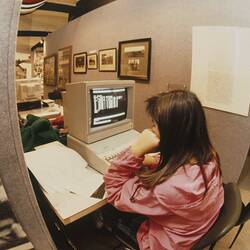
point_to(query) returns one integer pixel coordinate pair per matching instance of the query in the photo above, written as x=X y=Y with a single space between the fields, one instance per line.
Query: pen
x=71 y=192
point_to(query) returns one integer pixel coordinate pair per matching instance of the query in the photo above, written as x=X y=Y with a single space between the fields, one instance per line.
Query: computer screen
x=108 y=105
x=95 y=110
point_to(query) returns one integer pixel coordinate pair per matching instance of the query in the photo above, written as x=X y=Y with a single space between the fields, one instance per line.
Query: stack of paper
x=65 y=177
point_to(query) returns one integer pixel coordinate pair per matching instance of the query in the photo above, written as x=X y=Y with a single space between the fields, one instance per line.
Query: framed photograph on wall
x=134 y=59
x=64 y=67
x=92 y=61
x=50 y=70
x=80 y=63
x=107 y=60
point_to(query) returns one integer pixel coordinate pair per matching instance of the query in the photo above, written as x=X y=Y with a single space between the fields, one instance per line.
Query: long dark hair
x=183 y=134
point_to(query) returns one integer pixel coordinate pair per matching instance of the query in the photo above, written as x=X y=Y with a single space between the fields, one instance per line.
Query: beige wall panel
x=169 y=24
x=13 y=171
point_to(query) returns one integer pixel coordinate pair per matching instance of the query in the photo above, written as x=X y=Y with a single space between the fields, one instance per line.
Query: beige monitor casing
x=77 y=109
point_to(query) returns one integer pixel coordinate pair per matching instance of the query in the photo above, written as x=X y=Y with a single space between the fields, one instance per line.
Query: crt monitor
x=108 y=105
x=95 y=110
x=29 y=89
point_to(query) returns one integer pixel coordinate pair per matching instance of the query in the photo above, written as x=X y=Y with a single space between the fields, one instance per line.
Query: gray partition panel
x=13 y=170
x=230 y=134
x=169 y=24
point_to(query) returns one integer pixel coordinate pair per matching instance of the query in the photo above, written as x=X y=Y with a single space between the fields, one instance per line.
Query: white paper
x=65 y=177
x=67 y=205
x=221 y=68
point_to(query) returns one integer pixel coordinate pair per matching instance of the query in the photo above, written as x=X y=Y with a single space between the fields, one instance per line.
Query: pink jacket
x=179 y=210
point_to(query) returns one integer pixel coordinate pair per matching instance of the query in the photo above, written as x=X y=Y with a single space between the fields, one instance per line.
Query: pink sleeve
x=124 y=189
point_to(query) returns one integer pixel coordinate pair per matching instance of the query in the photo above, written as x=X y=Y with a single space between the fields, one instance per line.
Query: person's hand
x=151 y=159
x=147 y=142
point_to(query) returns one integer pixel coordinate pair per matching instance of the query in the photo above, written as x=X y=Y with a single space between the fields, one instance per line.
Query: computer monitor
x=95 y=110
x=29 y=89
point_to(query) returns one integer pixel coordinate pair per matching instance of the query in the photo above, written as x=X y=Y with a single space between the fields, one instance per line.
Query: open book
x=66 y=180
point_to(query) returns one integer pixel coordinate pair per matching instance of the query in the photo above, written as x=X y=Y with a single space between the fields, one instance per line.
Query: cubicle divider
x=171 y=61
x=230 y=134
x=13 y=171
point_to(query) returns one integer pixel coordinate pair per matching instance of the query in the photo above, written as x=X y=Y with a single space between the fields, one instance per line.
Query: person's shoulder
x=186 y=185
x=211 y=168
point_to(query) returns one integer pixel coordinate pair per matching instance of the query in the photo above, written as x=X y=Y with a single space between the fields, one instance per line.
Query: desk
x=48 y=112
x=66 y=181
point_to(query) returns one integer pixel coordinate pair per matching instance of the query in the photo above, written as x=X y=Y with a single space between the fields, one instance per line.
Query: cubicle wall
x=13 y=171
x=169 y=24
x=231 y=136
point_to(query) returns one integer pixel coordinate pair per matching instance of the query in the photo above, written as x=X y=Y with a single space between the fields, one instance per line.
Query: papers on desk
x=66 y=179
x=49 y=112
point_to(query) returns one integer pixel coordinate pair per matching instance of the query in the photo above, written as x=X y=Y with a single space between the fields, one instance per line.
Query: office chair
x=245 y=215
x=124 y=244
x=228 y=218
x=126 y=238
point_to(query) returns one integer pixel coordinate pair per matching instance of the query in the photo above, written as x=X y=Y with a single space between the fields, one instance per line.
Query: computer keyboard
x=111 y=155
x=100 y=154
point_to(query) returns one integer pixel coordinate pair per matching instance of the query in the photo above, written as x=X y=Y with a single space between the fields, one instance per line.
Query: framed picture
x=38 y=60
x=80 y=63
x=49 y=70
x=107 y=59
x=64 y=66
x=134 y=59
x=92 y=61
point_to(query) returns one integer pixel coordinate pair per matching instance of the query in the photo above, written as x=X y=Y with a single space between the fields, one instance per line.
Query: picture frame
x=64 y=67
x=92 y=61
x=38 y=60
x=107 y=60
x=134 y=59
x=50 y=70
x=80 y=63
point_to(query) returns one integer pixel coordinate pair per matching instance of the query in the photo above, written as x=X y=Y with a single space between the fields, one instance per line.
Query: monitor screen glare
x=108 y=105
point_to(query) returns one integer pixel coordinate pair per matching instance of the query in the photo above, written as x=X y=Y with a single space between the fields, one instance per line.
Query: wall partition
x=169 y=24
x=13 y=171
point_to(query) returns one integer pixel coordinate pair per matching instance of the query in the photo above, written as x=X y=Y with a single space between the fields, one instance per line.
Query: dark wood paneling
x=33 y=33
x=57 y=7
x=84 y=6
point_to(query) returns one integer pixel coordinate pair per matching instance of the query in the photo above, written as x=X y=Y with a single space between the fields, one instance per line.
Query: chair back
x=228 y=217
x=245 y=214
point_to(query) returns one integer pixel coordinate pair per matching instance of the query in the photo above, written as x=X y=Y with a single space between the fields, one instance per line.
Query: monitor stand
x=100 y=154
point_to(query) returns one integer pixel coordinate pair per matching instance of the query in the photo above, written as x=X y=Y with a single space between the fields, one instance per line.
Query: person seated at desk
x=182 y=194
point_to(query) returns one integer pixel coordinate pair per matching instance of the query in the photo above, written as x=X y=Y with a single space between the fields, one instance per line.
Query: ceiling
x=41 y=20
x=49 y=17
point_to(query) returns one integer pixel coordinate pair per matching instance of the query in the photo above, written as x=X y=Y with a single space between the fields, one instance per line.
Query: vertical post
x=13 y=170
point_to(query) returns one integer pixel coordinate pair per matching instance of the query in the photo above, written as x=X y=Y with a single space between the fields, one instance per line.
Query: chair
x=245 y=215
x=125 y=235
x=125 y=241
x=229 y=217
